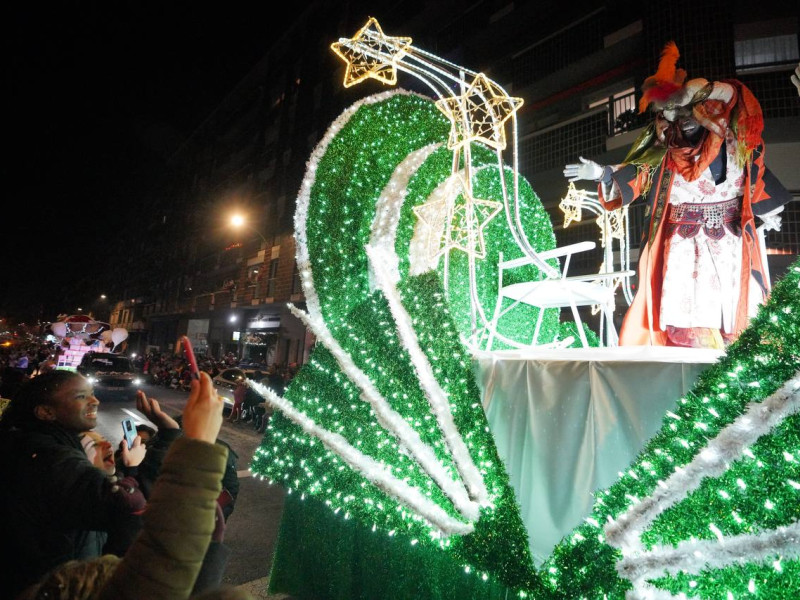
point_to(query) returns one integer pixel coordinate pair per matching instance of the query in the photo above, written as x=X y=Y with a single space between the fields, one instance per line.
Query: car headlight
x=137 y=382
x=92 y=379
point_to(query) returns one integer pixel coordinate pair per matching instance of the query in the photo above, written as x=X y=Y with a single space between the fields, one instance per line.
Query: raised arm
x=165 y=559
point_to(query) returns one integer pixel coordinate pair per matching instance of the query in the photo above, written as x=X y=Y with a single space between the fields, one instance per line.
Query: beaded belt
x=714 y=218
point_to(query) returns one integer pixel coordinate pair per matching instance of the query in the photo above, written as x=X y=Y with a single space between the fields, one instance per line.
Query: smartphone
x=187 y=348
x=129 y=430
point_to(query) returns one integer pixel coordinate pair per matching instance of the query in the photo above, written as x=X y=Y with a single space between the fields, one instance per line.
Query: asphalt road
x=252 y=529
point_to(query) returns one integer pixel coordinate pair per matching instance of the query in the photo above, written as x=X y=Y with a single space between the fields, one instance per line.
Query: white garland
x=316 y=323
x=367 y=466
x=437 y=398
x=391 y=420
x=387 y=209
x=758 y=419
x=694 y=556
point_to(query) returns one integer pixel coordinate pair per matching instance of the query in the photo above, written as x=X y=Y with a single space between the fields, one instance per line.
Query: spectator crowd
x=87 y=522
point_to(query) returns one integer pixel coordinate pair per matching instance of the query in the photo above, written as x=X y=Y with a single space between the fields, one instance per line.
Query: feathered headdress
x=666 y=81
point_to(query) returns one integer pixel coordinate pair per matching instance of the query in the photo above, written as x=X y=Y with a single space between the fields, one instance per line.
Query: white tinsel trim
x=391 y=420
x=694 y=556
x=304 y=195
x=423 y=250
x=390 y=203
x=367 y=466
x=432 y=467
x=757 y=420
x=437 y=398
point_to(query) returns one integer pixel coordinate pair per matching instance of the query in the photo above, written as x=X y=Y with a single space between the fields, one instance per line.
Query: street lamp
x=238 y=221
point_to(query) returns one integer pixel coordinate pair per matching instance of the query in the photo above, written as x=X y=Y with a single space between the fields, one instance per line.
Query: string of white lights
x=437 y=397
x=391 y=420
x=758 y=419
x=694 y=556
x=367 y=466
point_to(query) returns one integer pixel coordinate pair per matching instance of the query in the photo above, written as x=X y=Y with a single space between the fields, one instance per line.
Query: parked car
x=112 y=375
x=225 y=382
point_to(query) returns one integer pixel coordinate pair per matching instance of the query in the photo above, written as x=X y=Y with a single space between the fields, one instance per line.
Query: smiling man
x=51 y=496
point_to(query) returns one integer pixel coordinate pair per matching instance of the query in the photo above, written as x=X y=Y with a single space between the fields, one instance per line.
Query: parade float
x=398 y=483
x=79 y=334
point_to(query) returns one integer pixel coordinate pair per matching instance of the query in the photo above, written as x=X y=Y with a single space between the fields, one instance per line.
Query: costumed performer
x=700 y=167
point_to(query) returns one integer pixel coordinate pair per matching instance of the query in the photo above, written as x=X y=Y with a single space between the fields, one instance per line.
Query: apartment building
x=578 y=68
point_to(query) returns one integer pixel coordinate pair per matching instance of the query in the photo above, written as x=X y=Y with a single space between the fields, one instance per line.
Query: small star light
x=479 y=114
x=467 y=220
x=616 y=229
x=571 y=205
x=370 y=53
x=433 y=215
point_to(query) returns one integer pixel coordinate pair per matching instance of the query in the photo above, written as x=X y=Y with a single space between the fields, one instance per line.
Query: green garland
x=348 y=179
x=755 y=494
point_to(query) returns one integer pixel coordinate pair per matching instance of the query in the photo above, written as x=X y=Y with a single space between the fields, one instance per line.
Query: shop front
x=260 y=339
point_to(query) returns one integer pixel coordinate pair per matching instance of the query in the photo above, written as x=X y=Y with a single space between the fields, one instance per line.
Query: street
x=252 y=529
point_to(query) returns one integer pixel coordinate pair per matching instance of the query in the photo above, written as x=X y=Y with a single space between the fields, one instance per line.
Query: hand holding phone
x=129 y=431
x=187 y=348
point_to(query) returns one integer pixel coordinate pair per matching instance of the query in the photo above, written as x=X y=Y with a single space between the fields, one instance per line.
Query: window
x=766 y=45
x=766 y=52
x=297 y=284
x=622 y=111
x=252 y=275
x=272 y=277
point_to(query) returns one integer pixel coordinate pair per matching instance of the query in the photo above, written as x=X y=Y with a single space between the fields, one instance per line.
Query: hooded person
x=699 y=166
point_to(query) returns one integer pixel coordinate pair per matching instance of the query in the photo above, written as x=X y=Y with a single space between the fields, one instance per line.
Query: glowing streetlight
x=102 y=296
x=238 y=221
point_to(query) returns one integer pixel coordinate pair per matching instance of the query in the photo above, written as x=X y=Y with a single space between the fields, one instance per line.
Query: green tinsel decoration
x=352 y=173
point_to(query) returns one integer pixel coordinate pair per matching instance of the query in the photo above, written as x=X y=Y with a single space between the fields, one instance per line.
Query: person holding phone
x=165 y=559
x=100 y=453
x=51 y=496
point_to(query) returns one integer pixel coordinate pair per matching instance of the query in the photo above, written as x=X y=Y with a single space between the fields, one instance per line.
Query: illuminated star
x=479 y=114
x=571 y=205
x=370 y=53
x=460 y=218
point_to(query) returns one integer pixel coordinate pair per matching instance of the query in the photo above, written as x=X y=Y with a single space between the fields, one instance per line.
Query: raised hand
x=771 y=222
x=133 y=456
x=587 y=169
x=202 y=415
x=151 y=409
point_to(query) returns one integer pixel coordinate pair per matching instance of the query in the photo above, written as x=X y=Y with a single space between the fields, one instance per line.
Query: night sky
x=100 y=95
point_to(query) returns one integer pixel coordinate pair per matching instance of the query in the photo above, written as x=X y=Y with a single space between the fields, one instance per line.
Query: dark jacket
x=164 y=563
x=51 y=498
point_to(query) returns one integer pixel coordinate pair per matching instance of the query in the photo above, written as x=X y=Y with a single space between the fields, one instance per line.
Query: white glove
x=771 y=221
x=796 y=78
x=588 y=170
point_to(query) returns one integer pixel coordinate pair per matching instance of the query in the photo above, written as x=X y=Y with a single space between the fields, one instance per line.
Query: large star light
x=461 y=218
x=479 y=115
x=370 y=53
x=571 y=205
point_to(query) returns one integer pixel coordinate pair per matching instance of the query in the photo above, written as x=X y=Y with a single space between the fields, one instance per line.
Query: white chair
x=558 y=292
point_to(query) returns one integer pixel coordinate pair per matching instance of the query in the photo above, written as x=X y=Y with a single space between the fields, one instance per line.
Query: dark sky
x=99 y=94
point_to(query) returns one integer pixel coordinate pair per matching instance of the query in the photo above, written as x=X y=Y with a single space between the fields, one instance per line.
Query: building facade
x=578 y=68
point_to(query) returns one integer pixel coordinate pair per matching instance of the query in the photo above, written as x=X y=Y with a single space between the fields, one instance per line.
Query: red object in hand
x=187 y=348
